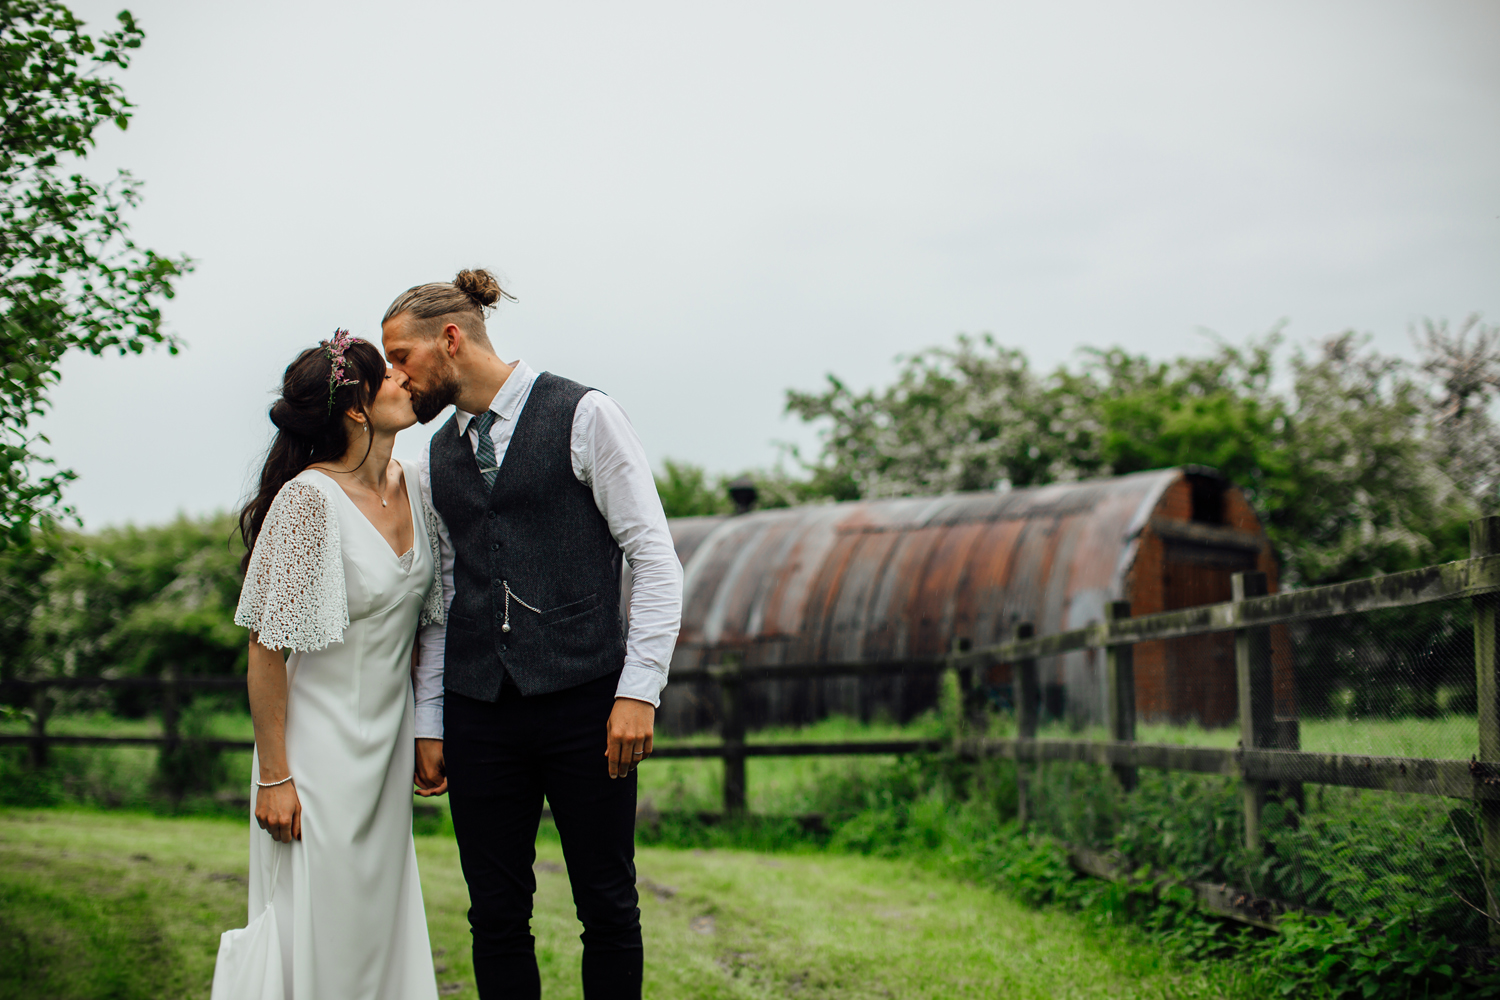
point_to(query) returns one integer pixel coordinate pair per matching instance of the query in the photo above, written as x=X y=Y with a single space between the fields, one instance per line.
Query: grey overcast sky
x=702 y=204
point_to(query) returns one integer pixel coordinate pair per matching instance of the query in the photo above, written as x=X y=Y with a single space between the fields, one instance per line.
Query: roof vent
x=744 y=494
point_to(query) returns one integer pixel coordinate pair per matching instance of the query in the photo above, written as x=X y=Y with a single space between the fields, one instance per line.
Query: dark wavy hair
x=308 y=428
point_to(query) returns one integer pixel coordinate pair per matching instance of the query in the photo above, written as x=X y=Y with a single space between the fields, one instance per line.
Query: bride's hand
x=278 y=810
x=431 y=777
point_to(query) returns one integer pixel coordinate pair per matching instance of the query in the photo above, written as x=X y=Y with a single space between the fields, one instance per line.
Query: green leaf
x=71 y=279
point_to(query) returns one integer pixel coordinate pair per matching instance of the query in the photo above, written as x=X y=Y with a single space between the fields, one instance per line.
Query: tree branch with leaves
x=71 y=278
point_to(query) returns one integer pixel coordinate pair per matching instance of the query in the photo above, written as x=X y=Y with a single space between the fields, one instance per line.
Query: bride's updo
x=309 y=420
x=470 y=293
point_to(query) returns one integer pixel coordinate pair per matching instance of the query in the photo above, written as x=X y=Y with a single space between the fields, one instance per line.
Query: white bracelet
x=273 y=784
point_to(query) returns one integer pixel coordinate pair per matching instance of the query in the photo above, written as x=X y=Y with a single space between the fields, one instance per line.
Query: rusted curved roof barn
x=886 y=581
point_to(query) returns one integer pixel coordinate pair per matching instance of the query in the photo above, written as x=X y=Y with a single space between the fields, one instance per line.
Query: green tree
x=686 y=491
x=23 y=574
x=71 y=278
x=127 y=601
x=1217 y=410
x=1357 y=462
x=1358 y=483
x=1340 y=462
x=967 y=417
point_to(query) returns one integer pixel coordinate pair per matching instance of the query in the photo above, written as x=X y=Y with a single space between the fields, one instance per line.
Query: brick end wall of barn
x=1192 y=680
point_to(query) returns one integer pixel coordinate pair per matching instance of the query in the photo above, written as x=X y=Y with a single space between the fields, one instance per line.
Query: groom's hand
x=628 y=735
x=432 y=777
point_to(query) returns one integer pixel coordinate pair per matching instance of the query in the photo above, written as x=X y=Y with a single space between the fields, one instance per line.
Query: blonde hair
x=471 y=293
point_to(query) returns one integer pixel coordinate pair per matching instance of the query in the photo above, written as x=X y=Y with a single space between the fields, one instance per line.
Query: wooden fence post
x=1252 y=671
x=1028 y=702
x=732 y=731
x=1119 y=678
x=171 y=713
x=1484 y=540
x=173 y=768
x=41 y=707
x=971 y=707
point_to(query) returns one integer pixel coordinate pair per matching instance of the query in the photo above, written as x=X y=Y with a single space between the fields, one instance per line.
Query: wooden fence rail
x=1268 y=760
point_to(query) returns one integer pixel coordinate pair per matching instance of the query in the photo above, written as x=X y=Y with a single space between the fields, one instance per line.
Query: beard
x=428 y=402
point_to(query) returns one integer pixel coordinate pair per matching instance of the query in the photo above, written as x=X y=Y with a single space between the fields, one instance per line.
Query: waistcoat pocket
x=568 y=612
x=583 y=633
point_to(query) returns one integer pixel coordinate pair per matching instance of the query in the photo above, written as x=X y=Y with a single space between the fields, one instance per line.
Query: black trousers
x=502 y=758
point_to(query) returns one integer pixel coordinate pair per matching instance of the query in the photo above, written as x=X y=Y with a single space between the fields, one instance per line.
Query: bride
x=339 y=570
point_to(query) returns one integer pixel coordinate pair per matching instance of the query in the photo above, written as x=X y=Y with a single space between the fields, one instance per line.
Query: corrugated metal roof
x=890 y=580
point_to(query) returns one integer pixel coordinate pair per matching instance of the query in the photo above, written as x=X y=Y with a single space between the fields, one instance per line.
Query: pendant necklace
x=377 y=493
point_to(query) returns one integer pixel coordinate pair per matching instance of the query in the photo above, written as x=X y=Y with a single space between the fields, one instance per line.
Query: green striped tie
x=484 y=451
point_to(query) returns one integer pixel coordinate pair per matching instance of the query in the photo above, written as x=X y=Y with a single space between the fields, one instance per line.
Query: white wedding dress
x=324 y=583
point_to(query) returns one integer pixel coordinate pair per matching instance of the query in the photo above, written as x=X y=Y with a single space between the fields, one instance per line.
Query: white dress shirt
x=609 y=459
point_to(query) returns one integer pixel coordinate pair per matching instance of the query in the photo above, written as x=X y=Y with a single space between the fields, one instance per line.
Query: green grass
x=126 y=776
x=778 y=786
x=218 y=725
x=115 y=906
x=1451 y=737
x=726 y=922
x=123 y=906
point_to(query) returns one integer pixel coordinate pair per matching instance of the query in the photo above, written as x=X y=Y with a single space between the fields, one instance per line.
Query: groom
x=532 y=689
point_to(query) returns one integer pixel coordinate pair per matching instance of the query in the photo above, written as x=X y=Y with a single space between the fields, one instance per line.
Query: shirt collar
x=507 y=401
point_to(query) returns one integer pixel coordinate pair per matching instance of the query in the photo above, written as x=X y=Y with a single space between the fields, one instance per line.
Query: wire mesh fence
x=1391 y=683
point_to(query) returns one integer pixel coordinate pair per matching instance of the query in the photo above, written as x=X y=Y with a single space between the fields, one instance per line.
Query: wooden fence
x=1266 y=760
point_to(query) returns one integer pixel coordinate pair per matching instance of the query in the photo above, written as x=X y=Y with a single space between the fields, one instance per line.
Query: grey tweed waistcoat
x=539 y=532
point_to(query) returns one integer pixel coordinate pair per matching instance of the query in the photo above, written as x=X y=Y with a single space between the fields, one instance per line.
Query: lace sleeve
x=294 y=595
x=432 y=606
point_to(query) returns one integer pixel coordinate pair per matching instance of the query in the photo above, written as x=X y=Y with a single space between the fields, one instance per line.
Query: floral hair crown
x=335 y=349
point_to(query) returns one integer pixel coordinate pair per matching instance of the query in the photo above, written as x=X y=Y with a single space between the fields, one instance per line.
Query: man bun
x=471 y=291
x=479 y=285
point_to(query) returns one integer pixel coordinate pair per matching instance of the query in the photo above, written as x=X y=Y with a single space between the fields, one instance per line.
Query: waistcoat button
x=495 y=547
x=489 y=514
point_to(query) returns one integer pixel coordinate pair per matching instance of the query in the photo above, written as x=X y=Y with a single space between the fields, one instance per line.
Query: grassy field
x=124 y=906
x=774 y=785
x=1451 y=737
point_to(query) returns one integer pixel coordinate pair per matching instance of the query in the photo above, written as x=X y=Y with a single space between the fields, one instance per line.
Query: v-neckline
x=411 y=515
